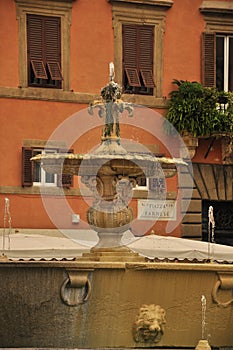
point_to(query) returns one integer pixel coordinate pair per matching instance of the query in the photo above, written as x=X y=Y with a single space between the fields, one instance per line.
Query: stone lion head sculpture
x=149 y=324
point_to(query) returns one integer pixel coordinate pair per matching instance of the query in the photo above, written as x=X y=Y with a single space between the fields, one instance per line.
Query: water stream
x=203 y=317
x=7 y=226
x=211 y=227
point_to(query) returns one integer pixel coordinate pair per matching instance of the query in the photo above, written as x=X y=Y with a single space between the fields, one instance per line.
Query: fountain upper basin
x=112 y=164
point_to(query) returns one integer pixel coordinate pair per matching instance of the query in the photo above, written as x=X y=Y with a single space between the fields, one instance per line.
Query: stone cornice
x=43 y=2
x=223 y=7
x=161 y=3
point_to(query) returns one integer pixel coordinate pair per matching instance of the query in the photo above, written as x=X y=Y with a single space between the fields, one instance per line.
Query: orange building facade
x=55 y=60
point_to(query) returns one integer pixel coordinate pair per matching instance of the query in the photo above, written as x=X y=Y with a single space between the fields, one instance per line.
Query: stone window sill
x=75 y=97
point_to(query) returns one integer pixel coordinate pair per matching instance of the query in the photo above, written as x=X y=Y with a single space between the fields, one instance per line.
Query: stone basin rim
x=140 y=266
x=130 y=156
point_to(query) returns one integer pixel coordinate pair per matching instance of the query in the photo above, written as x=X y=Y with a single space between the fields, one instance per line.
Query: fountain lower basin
x=33 y=309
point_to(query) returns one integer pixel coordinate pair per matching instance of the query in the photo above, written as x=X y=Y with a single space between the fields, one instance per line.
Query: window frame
x=29 y=146
x=218 y=21
x=61 y=9
x=154 y=14
x=41 y=67
x=135 y=73
x=42 y=171
x=142 y=188
x=226 y=58
x=150 y=187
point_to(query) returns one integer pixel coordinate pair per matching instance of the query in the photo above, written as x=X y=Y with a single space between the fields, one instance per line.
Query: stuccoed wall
x=34 y=315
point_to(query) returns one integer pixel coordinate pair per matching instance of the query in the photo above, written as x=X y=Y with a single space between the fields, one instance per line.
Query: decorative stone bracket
x=76 y=288
x=227 y=149
x=225 y=282
x=191 y=144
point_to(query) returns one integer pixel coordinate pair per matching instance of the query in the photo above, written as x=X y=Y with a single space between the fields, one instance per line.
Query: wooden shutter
x=130 y=44
x=35 y=44
x=27 y=167
x=138 y=54
x=146 y=54
x=52 y=30
x=132 y=76
x=39 y=69
x=44 y=46
x=55 y=70
x=65 y=180
x=209 y=59
x=35 y=37
x=147 y=77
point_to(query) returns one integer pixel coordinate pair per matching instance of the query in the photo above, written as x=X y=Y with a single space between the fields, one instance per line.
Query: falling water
x=203 y=316
x=211 y=227
x=6 y=225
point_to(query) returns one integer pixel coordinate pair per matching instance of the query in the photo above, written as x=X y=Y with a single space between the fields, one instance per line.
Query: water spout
x=7 y=225
x=211 y=227
x=203 y=316
x=203 y=344
x=111 y=71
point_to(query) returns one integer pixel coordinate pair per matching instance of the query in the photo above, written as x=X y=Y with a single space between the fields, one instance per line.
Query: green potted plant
x=199 y=111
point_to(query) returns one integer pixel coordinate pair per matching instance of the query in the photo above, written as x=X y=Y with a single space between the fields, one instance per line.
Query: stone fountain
x=110 y=172
x=110 y=297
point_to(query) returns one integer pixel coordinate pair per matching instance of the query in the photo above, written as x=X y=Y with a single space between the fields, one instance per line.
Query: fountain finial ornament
x=111 y=71
x=110 y=108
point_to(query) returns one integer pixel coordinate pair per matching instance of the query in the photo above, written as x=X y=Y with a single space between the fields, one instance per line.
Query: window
x=138 y=53
x=142 y=183
x=34 y=175
x=217 y=45
x=157 y=185
x=138 y=31
x=40 y=176
x=218 y=61
x=44 y=29
x=44 y=51
x=224 y=62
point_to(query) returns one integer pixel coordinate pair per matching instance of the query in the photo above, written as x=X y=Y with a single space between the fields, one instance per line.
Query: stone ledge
x=57 y=95
x=135 y=266
x=57 y=191
x=161 y=3
x=216 y=7
x=34 y=190
x=47 y=95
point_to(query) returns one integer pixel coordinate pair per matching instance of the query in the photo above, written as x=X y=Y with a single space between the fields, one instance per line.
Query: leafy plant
x=199 y=110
